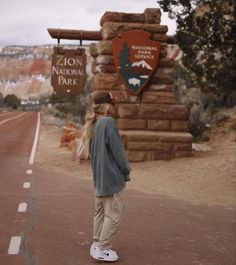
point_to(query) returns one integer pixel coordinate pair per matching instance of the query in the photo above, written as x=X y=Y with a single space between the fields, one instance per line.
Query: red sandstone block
x=93 y=67
x=161 y=80
x=149 y=146
x=154 y=28
x=104 y=47
x=163 y=75
x=128 y=110
x=103 y=68
x=164 y=155
x=152 y=15
x=106 y=81
x=93 y=50
x=123 y=96
x=158 y=125
x=132 y=124
x=182 y=147
x=177 y=137
x=135 y=156
x=154 y=151
x=132 y=17
x=179 y=154
x=165 y=62
x=150 y=136
x=159 y=97
x=110 y=17
x=180 y=126
x=159 y=87
x=161 y=37
x=165 y=112
x=104 y=59
x=163 y=50
x=164 y=71
x=122 y=17
x=111 y=30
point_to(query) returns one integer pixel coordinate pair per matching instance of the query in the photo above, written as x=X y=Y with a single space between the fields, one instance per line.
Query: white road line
x=18 y=116
x=22 y=208
x=14 y=246
x=29 y=171
x=33 y=151
x=26 y=185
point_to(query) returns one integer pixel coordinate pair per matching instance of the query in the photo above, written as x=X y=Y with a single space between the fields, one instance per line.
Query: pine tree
x=125 y=56
x=206 y=35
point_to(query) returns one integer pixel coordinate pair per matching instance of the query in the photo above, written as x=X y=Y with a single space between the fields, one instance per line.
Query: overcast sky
x=25 y=22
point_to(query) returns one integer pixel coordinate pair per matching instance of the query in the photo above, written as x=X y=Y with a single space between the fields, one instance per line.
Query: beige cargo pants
x=109 y=211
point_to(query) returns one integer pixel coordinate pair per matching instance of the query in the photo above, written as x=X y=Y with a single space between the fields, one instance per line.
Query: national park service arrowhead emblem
x=136 y=58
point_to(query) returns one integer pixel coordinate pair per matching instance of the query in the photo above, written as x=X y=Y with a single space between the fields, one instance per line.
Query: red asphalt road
x=57 y=227
x=16 y=139
x=6 y=115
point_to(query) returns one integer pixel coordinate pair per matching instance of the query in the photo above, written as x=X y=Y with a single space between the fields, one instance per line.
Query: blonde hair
x=90 y=122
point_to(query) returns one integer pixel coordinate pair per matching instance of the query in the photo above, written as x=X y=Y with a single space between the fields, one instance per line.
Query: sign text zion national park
x=68 y=70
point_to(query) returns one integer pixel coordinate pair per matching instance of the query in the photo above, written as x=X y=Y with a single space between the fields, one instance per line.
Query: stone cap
x=151 y=136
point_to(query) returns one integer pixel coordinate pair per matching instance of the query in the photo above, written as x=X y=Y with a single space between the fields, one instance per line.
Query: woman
x=101 y=140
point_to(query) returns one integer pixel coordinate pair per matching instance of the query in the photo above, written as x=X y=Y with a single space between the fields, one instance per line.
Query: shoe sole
x=103 y=259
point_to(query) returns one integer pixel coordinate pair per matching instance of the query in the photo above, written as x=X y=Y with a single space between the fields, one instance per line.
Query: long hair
x=90 y=122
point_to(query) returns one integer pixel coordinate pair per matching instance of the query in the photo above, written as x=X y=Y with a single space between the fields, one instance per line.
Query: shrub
x=71 y=106
x=12 y=101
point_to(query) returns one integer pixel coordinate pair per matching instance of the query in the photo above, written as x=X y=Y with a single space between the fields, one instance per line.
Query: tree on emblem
x=125 y=56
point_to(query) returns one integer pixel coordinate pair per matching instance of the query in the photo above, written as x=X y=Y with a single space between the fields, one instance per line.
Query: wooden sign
x=68 y=72
x=136 y=58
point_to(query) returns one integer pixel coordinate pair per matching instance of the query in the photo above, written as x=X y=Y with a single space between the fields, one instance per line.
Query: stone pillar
x=151 y=124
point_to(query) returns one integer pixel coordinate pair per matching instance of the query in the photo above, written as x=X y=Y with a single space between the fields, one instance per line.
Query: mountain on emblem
x=143 y=64
x=136 y=58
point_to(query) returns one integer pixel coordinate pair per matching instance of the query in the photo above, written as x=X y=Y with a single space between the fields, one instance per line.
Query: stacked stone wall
x=152 y=125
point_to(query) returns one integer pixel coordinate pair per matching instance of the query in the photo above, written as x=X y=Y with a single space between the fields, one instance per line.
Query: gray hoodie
x=108 y=158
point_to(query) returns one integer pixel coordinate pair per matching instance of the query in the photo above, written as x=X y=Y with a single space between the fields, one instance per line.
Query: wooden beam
x=71 y=34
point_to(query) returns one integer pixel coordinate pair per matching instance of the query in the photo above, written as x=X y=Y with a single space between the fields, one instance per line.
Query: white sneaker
x=105 y=255
x=92 y=249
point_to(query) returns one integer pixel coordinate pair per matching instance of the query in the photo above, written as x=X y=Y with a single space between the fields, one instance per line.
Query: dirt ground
x=207 y=177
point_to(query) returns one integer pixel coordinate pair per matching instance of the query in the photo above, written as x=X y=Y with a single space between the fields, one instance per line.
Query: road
x=17 y=132
x=56 y=228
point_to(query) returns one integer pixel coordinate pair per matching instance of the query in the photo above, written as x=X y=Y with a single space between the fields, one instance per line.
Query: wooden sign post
x=68 y=72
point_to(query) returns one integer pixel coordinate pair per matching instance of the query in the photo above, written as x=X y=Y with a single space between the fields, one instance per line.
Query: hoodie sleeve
x=118 y=152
